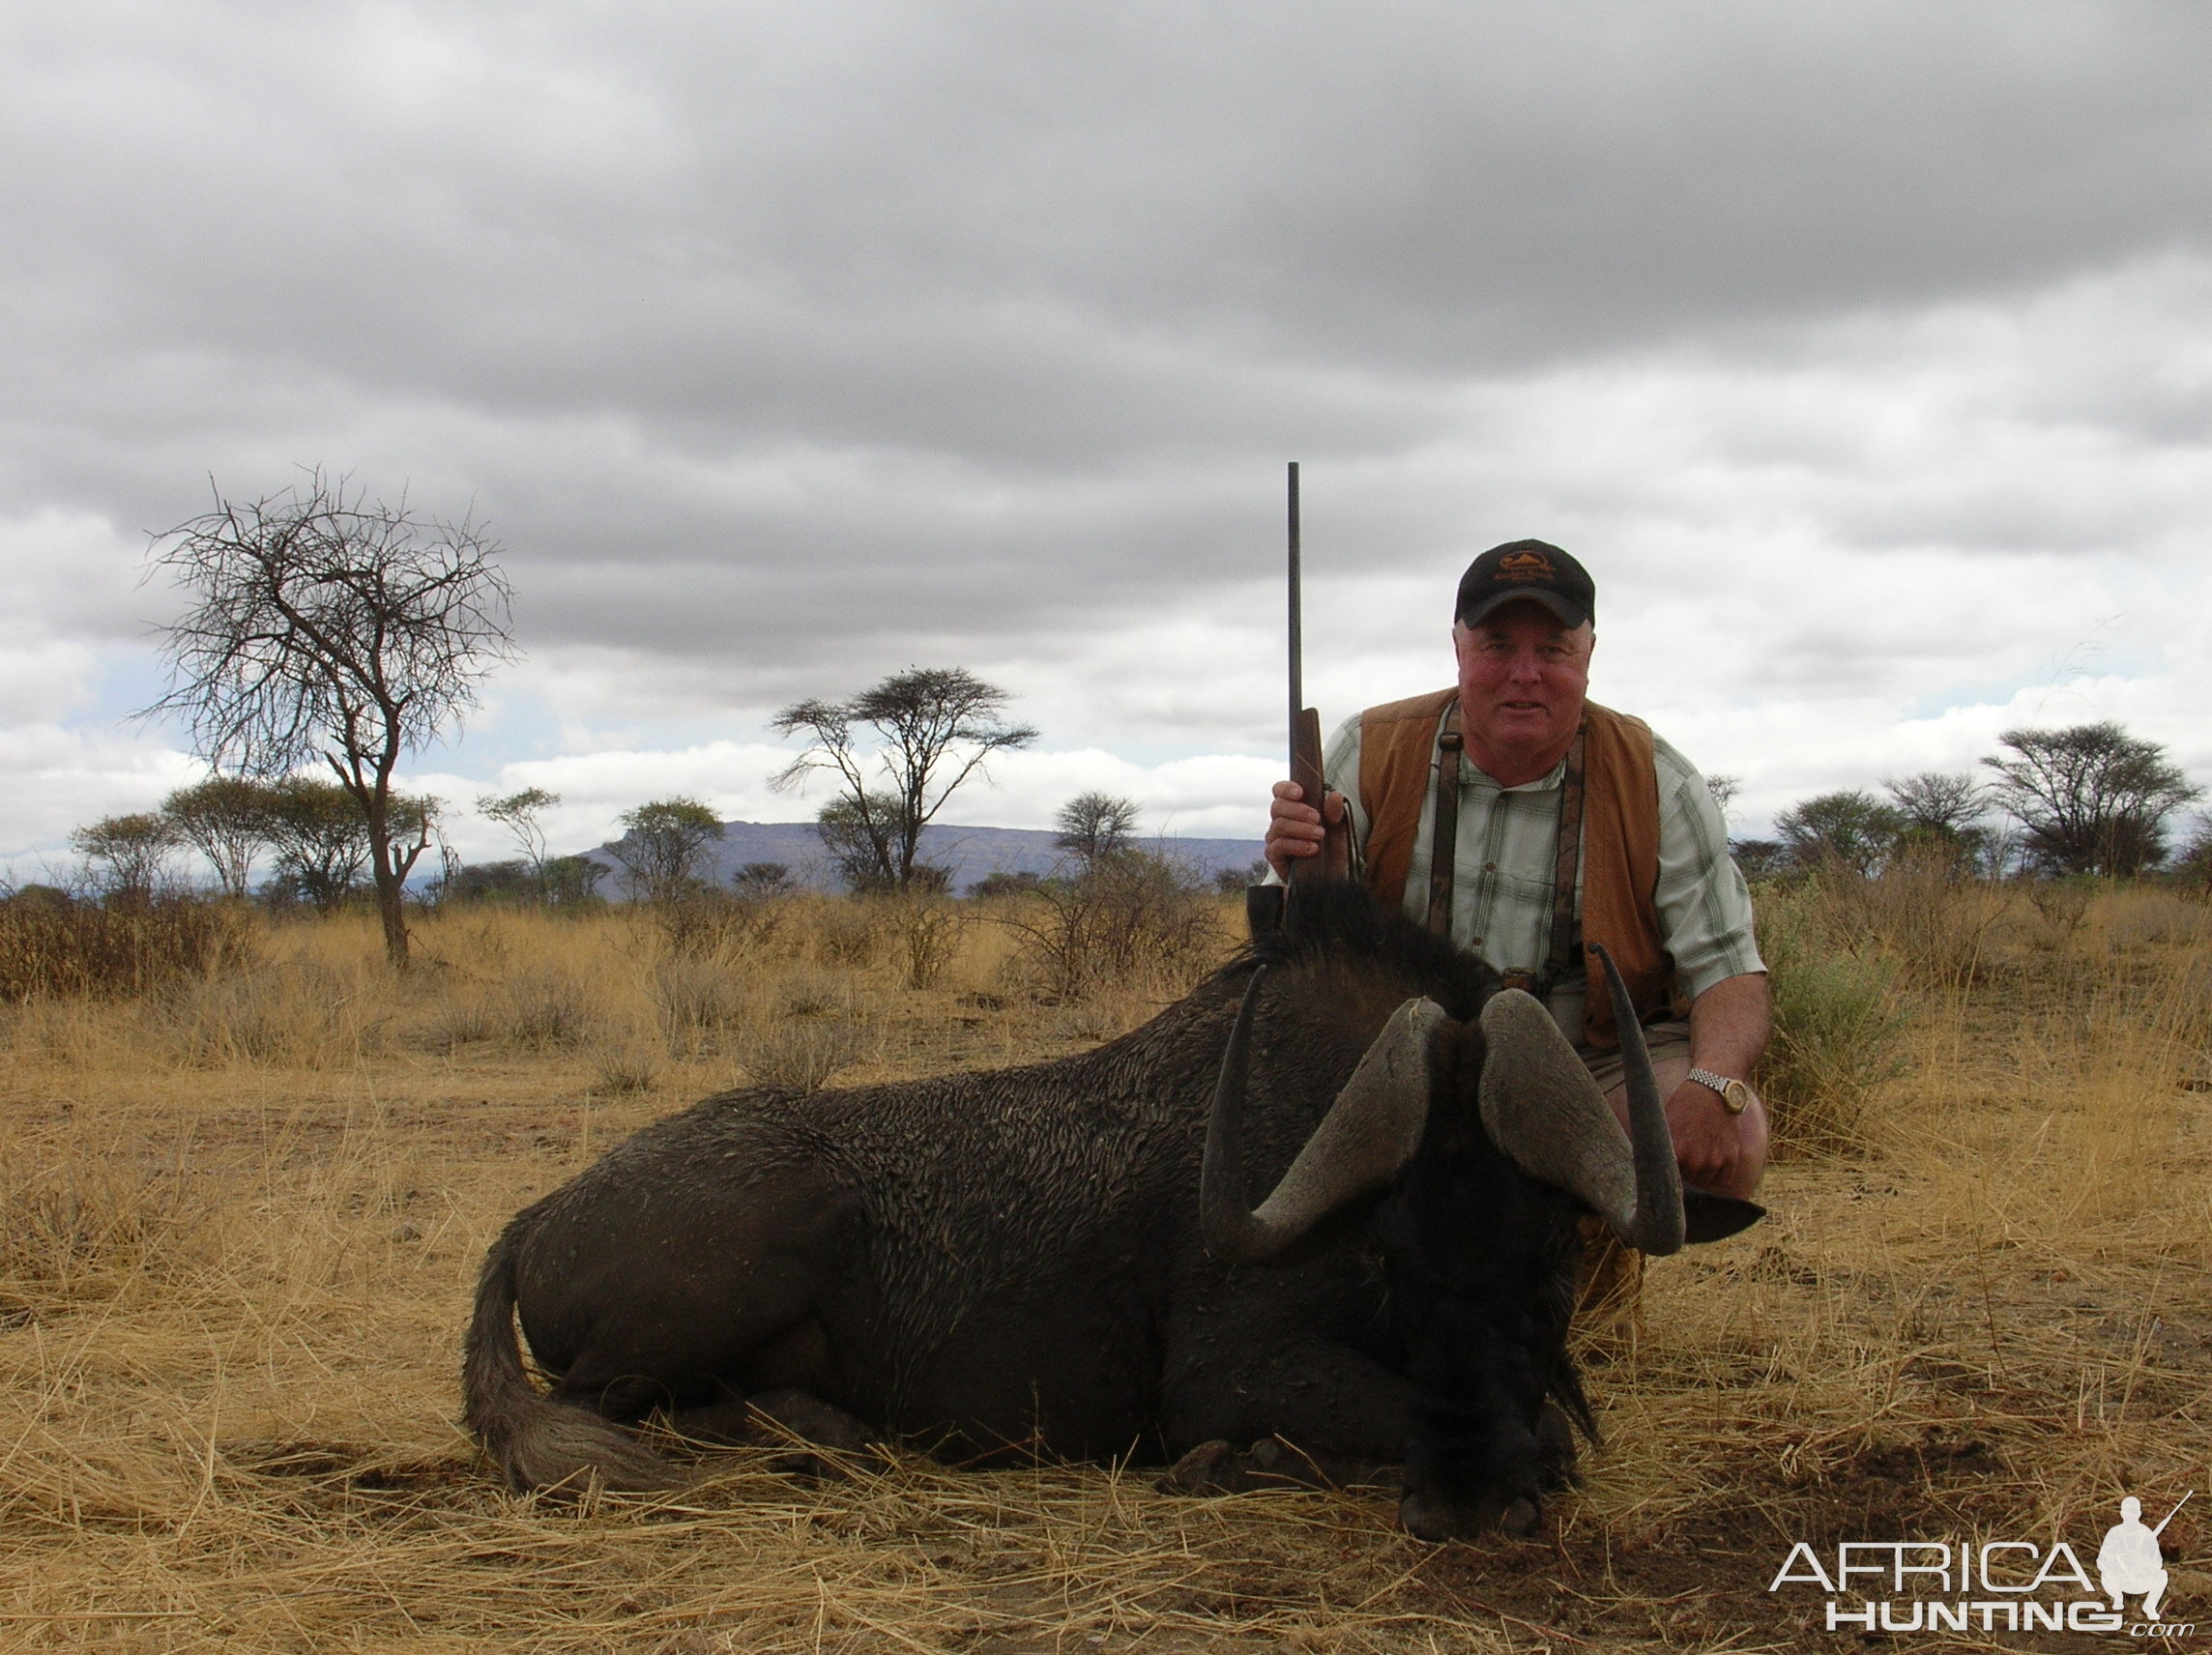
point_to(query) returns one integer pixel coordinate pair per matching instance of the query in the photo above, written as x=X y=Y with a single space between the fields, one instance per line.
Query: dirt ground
x=242 y=1223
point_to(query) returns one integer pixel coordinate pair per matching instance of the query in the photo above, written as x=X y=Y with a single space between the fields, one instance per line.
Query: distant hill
x=970 y=853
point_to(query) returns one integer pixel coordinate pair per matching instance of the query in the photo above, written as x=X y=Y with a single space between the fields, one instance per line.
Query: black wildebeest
x=1060 y=1258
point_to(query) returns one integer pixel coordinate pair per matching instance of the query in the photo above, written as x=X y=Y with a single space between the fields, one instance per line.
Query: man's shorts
x=1663 y=1040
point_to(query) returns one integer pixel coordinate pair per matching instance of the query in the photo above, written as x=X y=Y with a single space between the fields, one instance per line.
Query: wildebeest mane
x=1340 y=924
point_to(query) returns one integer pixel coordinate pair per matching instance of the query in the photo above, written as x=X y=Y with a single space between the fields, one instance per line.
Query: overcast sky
x=1862 y=351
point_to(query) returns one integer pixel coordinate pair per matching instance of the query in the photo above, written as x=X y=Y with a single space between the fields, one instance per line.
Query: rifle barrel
x=1297 y=627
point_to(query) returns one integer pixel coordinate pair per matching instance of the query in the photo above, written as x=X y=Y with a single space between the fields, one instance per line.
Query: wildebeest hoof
x=1430 y=1516
x=1521 y=1519
x=1210 y=1468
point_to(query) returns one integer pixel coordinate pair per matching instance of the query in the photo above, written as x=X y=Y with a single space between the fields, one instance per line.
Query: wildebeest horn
x=1369 y=1132
x=1543 y=1109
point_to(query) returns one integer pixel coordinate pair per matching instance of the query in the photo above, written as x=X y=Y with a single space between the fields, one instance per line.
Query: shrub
x=713 y=925
x=927 y=932
x=800 y=1054
x=1005 y=882
x=82 y=1231
x=1131 y=916
x=549 y=1011
x=696 y=999
x=849 y=931
x=1839 y=1027
x=1930 y=920
x=307 y=1012
x=52 y=946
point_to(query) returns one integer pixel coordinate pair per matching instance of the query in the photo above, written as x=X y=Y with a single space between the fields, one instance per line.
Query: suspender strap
x=1569 y=857
x=1444 y=841
x=1444 y=847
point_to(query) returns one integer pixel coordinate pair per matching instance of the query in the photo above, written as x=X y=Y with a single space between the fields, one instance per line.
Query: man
x=1534 y=787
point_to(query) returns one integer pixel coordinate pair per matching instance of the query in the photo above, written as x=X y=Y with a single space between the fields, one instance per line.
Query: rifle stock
x=1334 y=860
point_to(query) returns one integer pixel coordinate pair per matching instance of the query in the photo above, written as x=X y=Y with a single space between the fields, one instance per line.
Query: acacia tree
x=859 y=839
x=226 y=819
x=329 y=627
x=518 y=813
x=1848 y=828
x=129 y=851
x=320 y=838
x=2092 y=799
x=663 y=848
x=1942 y=813
x=934 y=727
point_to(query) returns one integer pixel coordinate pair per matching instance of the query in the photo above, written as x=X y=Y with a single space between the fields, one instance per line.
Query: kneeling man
x=1561 y=823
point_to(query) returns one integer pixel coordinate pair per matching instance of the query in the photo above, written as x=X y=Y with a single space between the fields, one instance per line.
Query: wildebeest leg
x=1220 y=1467
x=1313 y=1411
x=782 y=1417
x=638 y=1306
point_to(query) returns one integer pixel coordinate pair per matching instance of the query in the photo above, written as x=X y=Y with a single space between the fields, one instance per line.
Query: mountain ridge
x=968 y=852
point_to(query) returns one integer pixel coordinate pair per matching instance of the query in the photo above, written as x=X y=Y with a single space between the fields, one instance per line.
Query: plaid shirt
x=1508 y=840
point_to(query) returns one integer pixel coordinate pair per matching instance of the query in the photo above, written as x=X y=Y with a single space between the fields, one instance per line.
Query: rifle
x=1263 y=904
x=2174 y=1512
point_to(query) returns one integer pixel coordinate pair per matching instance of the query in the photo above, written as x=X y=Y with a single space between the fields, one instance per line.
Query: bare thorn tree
x=1095 y=827
x=935 y=727
x=329 y=627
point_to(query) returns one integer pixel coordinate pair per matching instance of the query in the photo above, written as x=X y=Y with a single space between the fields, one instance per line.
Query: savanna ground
x=241 y=1215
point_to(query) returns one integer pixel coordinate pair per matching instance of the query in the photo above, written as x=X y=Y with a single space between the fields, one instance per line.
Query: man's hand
x=1708 y=1141
x=1294 y=828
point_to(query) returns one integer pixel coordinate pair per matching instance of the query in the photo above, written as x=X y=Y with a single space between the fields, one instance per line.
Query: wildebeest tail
x=539 y=1444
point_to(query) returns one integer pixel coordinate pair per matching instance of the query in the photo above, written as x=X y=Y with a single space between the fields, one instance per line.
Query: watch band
x=1735 y=1095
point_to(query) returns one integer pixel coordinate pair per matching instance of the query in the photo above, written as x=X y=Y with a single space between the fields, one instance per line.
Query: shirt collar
x=1551 y=781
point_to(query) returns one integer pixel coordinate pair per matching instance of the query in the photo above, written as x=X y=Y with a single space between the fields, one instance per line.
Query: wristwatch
x=1736 y=1096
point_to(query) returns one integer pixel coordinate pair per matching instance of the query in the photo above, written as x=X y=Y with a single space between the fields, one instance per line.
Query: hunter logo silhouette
x=2129 y=1563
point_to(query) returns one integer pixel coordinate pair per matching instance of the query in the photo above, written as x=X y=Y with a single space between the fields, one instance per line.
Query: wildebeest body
x=1011 y=1260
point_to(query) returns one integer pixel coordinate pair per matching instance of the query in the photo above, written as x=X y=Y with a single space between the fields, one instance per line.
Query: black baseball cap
x=1531 y=569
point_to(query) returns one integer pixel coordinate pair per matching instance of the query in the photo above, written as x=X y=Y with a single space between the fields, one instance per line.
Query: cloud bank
x=1860 y=350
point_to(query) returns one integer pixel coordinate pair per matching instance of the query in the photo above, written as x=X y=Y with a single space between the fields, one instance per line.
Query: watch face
x=1737 y=1097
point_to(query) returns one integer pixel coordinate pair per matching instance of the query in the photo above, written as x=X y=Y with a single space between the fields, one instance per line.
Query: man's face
x=1522 y=680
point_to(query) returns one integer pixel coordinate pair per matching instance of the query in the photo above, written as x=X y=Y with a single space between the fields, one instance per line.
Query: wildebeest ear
x=1710 y=1217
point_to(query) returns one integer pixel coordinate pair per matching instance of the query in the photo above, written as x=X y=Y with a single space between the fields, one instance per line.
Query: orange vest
x=1620 y=840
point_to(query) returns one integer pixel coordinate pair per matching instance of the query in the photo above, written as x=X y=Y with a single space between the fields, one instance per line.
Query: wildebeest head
x=1538 y=1105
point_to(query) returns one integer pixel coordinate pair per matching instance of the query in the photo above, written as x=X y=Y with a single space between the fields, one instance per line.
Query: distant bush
x=757 y=881
x=710 y=924
x=1132 y=915
x=1231 y=882
x=1006 y=884
x=50 y=944
x=1924 y=911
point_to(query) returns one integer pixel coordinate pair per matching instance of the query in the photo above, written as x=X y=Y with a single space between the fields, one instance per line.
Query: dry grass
x=239 y=1221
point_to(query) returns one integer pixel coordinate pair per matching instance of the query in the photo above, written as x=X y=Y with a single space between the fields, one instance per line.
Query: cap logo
x=1525 y=565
